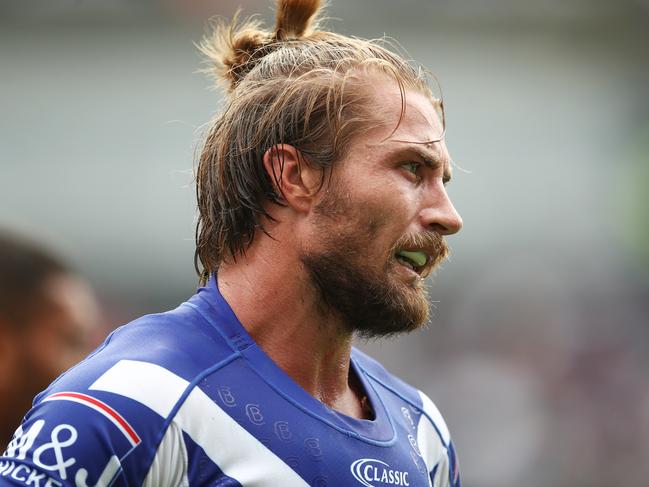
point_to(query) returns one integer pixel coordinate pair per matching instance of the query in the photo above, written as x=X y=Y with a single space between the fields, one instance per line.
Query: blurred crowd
x=542 y=379
x=551 y=387
x=47 y=318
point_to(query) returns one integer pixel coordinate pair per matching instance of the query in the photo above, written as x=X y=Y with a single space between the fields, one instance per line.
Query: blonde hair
x=295 y=85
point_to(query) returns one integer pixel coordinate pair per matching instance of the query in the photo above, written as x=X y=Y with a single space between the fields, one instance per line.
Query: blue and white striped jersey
x=186 y=398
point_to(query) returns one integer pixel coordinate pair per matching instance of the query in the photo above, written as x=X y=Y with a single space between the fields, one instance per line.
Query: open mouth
x=413 y=259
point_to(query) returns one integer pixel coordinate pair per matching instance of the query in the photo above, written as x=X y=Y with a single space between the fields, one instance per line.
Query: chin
x=405 y=310
x=371 y=303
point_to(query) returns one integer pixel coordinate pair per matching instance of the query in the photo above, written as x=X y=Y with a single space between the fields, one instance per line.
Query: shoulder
x=179 y=341
x=104 y=420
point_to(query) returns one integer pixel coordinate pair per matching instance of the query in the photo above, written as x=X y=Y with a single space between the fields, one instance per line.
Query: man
x=322 y=207
x=46 y=319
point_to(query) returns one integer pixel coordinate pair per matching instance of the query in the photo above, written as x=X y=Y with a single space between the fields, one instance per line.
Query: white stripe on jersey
x=170 y=465
x=431 y=448
x=436 y=416
x=235 y=451
x=148 y=384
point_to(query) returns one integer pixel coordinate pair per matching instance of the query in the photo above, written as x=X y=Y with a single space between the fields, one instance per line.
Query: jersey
x=187 y=398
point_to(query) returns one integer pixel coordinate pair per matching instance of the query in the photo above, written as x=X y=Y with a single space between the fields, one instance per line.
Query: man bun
x=295 y=18
x=232 y=50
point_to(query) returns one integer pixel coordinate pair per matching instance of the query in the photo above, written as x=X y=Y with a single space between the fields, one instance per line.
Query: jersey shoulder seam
x=183 y=397
x=190 y=387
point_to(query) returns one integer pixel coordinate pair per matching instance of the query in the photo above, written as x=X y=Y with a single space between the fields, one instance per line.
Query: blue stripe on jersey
x=454 y=468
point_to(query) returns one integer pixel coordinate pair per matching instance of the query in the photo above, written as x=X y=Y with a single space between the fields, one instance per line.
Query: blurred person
x=322 y=208
x=47 y=314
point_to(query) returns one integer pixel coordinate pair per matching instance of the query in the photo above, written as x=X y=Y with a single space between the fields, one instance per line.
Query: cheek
x=389 y=210
x=376 y=222
x=378 y=225
x=378 y=210
x=44 y=352
x=51 y=351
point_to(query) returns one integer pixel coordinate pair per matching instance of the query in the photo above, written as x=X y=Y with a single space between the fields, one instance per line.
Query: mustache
x=430 y=242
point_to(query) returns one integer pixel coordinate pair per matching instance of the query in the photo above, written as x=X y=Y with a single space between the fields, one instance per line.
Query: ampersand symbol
x=57 y=446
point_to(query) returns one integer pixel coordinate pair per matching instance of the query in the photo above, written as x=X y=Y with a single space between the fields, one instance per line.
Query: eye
x=412 y=167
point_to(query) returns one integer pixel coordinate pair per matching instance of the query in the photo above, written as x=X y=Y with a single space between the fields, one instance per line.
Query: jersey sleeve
x=436 y=446
x=82 y=439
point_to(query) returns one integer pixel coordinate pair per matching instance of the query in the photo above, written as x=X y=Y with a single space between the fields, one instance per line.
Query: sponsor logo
x=413 y=444
x=53 y=457
x=408 y=416
x=370 y=472
x=26 y=475
x=253 y=411
x=312 y=448
x=50 y=457
x=227 y=398
x=282 y=431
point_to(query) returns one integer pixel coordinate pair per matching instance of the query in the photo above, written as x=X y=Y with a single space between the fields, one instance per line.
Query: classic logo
x=369 y=470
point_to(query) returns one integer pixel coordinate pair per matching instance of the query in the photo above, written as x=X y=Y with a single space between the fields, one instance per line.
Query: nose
x=439 y=215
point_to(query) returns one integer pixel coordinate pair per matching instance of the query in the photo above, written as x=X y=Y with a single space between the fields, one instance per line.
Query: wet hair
x=24 y=268
x=296 y=85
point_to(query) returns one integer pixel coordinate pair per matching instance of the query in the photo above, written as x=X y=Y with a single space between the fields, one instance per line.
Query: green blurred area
x=635 y=197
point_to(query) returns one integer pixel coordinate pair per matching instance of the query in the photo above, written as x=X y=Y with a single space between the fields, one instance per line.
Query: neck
x=274 y=300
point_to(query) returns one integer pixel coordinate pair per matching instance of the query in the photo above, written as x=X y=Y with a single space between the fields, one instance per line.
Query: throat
x=364 y=410
x=352 y=401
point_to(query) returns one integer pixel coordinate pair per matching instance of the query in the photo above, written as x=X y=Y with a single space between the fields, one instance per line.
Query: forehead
x=406 y=120
x=394 y=105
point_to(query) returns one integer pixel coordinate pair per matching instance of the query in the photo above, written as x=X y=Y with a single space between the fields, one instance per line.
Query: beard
x=368 y=299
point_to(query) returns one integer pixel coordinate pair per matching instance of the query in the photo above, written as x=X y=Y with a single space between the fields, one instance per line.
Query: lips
x=421 y=253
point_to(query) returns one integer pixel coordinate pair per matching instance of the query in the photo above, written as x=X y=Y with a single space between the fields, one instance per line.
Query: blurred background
x=538 y=352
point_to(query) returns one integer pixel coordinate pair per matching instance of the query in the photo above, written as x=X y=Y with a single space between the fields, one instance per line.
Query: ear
x=295 y=180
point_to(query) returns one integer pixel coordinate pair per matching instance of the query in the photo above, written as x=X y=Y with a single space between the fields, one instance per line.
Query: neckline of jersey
x=379 y=431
